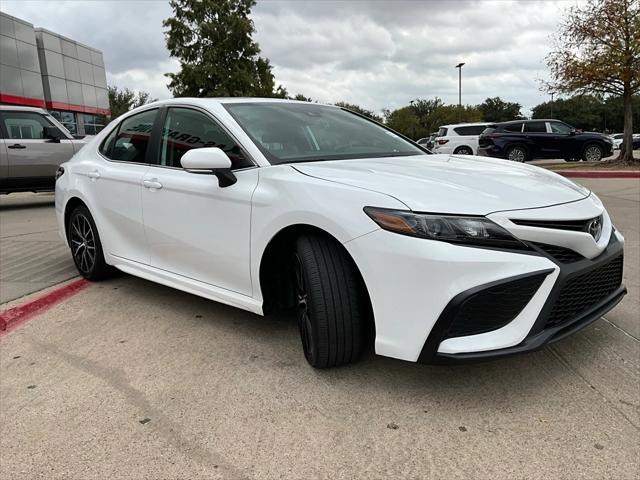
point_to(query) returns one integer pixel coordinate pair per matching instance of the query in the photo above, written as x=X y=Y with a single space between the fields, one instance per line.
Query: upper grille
x=573 y=225
x=494 y=307
x=583 y=292
x=564 y=255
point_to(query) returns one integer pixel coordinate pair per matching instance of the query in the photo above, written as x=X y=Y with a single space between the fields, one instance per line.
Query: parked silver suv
x=32 y=146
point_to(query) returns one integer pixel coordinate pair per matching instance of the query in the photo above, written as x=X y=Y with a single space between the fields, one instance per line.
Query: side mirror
x=52 y=134
x=209 y=160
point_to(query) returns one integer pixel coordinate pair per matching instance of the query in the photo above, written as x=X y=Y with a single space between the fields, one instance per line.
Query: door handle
x=94 y=175
x=17 y=146
x=152 y=184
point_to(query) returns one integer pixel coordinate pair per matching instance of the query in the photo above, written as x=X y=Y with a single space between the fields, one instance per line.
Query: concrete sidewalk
x=32 y=255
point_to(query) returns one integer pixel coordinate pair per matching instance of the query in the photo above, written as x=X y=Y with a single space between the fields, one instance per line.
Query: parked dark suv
x=523 y=140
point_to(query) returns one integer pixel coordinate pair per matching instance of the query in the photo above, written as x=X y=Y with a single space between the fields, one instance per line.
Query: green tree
x=585 y=112
x=597 y=50
x=404 y=121
x=424 y=110
x=300 y=97
x=212 y=40
x=360 y=110
x=497 y=110
x=451 y=114
x=121 y=101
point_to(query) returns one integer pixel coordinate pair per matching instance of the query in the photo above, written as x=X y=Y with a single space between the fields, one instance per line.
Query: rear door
x=114 y=183
x=32 y=159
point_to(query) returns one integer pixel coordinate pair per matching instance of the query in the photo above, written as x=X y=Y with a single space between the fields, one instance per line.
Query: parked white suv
x=461 y=138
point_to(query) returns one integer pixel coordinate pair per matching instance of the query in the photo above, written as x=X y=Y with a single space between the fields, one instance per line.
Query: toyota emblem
x=595 y=228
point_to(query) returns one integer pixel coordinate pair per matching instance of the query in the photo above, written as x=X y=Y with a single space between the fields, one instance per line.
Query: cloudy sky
x=379 y=54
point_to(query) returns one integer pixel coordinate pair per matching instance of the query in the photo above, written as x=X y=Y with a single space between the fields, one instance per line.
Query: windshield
x=297 y=132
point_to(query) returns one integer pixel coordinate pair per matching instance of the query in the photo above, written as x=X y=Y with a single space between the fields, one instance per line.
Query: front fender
x=285 y=197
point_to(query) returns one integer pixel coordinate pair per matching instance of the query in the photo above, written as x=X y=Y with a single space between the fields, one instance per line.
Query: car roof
x=474 y=124
x=20 y=108
x=209 y=101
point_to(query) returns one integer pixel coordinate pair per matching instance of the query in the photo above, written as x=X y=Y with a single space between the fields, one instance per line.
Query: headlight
x=478 y=231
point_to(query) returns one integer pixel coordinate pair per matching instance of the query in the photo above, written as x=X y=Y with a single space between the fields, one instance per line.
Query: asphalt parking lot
x=128 y=379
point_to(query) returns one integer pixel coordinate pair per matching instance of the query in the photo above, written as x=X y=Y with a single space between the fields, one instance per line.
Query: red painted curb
x=13 y=317
x=599 y=173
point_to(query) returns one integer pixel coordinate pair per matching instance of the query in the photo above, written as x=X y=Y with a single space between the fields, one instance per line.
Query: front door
x=194 y=227
x=32 y=159
x=563 y=139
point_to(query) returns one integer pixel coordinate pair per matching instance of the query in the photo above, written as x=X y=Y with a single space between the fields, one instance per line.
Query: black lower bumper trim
x=539 y=340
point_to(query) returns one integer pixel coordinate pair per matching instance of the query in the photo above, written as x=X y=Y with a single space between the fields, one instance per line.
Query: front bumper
x=413 y=282
x=546 y=329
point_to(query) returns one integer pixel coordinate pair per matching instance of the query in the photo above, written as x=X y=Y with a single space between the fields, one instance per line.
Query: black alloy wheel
x=85 y=245
x=304 y=322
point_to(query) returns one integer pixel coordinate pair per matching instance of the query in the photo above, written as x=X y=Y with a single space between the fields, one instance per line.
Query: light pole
x=552 y=94
x=459 y=67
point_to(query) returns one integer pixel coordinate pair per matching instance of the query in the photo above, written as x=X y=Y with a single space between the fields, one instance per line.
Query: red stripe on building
x=77 y=108
x=37 y=102
x=17 y=100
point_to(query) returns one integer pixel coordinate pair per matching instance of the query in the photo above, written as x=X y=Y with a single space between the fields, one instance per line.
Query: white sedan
x=270 y=205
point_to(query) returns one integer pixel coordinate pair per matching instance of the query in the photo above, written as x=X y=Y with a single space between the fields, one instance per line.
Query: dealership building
x=39 y=68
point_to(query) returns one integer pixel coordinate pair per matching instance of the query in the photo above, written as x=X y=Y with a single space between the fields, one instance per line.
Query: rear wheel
x=86 y=248
x=332 y=303
x=463 y=151
x=593 y=153
x=517 y=154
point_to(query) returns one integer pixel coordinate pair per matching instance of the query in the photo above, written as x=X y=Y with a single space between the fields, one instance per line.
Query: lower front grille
x=583 y=292
x=493 y=307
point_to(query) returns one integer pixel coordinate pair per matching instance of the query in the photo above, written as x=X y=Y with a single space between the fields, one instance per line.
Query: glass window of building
x=93 y=123
x=68 y=119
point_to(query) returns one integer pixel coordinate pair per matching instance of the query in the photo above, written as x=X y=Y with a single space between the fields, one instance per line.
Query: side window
x=185 y=129
x=557 y=127
x=129 y=141
x=535 y=127
x=25 y=125
x=513 y=127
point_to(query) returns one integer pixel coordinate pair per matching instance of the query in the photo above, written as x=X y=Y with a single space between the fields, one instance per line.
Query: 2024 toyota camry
x=270 y=204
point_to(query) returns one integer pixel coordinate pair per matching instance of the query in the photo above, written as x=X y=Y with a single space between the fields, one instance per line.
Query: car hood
x=452 y=184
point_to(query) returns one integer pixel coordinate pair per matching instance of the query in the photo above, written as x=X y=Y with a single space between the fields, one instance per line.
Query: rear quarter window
x=513 y=127
x=470 y=130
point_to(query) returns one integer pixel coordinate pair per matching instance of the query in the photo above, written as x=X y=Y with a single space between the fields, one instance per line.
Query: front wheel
x=593 y=153
x=332 y=303
x=86 y=248
x=517 y=154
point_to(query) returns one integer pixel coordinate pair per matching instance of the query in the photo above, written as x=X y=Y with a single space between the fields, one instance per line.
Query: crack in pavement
x=564 y=362
x=170 y=430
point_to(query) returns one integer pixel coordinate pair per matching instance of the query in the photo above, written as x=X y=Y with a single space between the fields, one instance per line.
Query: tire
x=592 y=153
x=463 y=151
x=332 y=302
x=517 y=154
x=84 y=239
